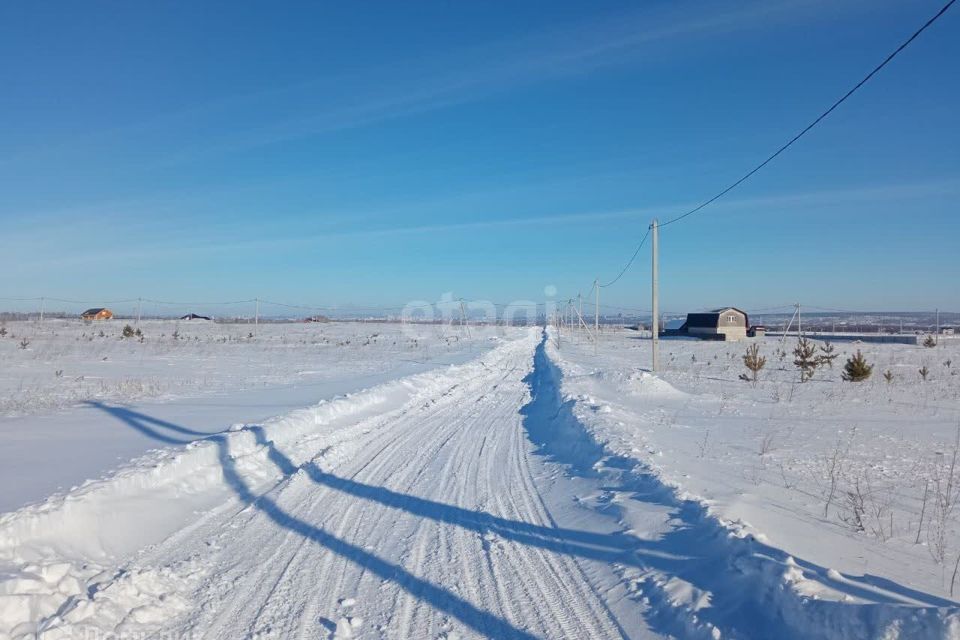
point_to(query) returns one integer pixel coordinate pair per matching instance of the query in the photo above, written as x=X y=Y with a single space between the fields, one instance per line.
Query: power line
x=88 y=302
x=194 y=304
x=786 y=146
x=630 y=262
x=823 y=115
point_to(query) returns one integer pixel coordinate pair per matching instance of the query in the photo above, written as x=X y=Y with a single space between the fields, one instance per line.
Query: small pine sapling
x=930 y=342
x=24 y=343
x=805 y=359
x=888 y=376
x=827 y=354
x=856 y=368
x=128 y=331
x=924 y=372
x=754 y=362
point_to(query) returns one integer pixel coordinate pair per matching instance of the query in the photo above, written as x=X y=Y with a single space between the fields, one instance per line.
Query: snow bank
x=62 y=560
x=710 y=575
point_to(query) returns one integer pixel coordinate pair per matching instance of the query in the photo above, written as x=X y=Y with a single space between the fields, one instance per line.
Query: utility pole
x=580 y=308
x=138 y=311
x=256 y=313
x=786 y=328
x=938 y=327
x=41 y=308
x=463 y=319
x=596 y=317
x=655 y=289
x=799 y=323
x=557 y=320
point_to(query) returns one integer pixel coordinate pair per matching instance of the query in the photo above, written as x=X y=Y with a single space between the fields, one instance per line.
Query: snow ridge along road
x=408 y=511
x=469 y=502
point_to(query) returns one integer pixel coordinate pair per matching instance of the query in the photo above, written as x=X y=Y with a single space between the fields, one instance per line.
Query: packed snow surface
x=54 y=394
x=545 y=487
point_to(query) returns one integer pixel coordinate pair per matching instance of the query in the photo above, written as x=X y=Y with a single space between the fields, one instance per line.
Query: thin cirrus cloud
x=421 y=86
x=863 y=194
x=484 y=71
x=160 y=248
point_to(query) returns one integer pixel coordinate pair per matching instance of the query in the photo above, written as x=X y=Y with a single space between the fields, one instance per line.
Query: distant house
x=728 y=323
x=673 y=326
x=756 y=331
x=947 y=331
x=96 y=314
x=193 y=316
x=317 y=319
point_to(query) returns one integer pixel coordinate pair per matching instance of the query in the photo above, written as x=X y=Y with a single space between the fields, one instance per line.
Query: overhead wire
x=790 y=142
x=817 y=121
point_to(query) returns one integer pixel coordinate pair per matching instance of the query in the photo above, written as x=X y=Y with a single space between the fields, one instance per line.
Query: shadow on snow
x=696 y=549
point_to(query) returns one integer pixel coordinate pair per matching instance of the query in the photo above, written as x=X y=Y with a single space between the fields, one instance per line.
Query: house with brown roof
x=98 y=313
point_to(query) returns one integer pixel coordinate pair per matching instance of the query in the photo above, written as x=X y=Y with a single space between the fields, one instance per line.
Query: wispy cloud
x=862 y=194
x=477 y=73
x=171 y=245
x=414 y=87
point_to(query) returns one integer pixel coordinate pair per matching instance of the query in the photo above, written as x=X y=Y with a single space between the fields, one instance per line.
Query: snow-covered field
x=852 y=480
x=202 y=375
x=530 y=490
x=65 y=362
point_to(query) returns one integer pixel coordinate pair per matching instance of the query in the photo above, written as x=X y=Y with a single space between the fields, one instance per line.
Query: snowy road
x=425 y=512
x=459 y=503
x=435 y=526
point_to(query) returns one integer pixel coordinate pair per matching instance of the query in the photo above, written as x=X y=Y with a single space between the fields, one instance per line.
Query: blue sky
x=370 y=154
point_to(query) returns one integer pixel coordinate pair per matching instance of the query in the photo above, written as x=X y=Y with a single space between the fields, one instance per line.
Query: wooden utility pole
x=138 y=311
x=256 y=314
x=41 y=308
x=655 y=289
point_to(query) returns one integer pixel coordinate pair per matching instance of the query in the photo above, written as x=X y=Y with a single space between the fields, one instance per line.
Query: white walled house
x=728 y=324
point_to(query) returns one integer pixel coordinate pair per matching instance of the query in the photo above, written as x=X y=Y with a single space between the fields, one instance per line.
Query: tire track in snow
x=348 y=526
x=428 y=522
x=393 y=456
